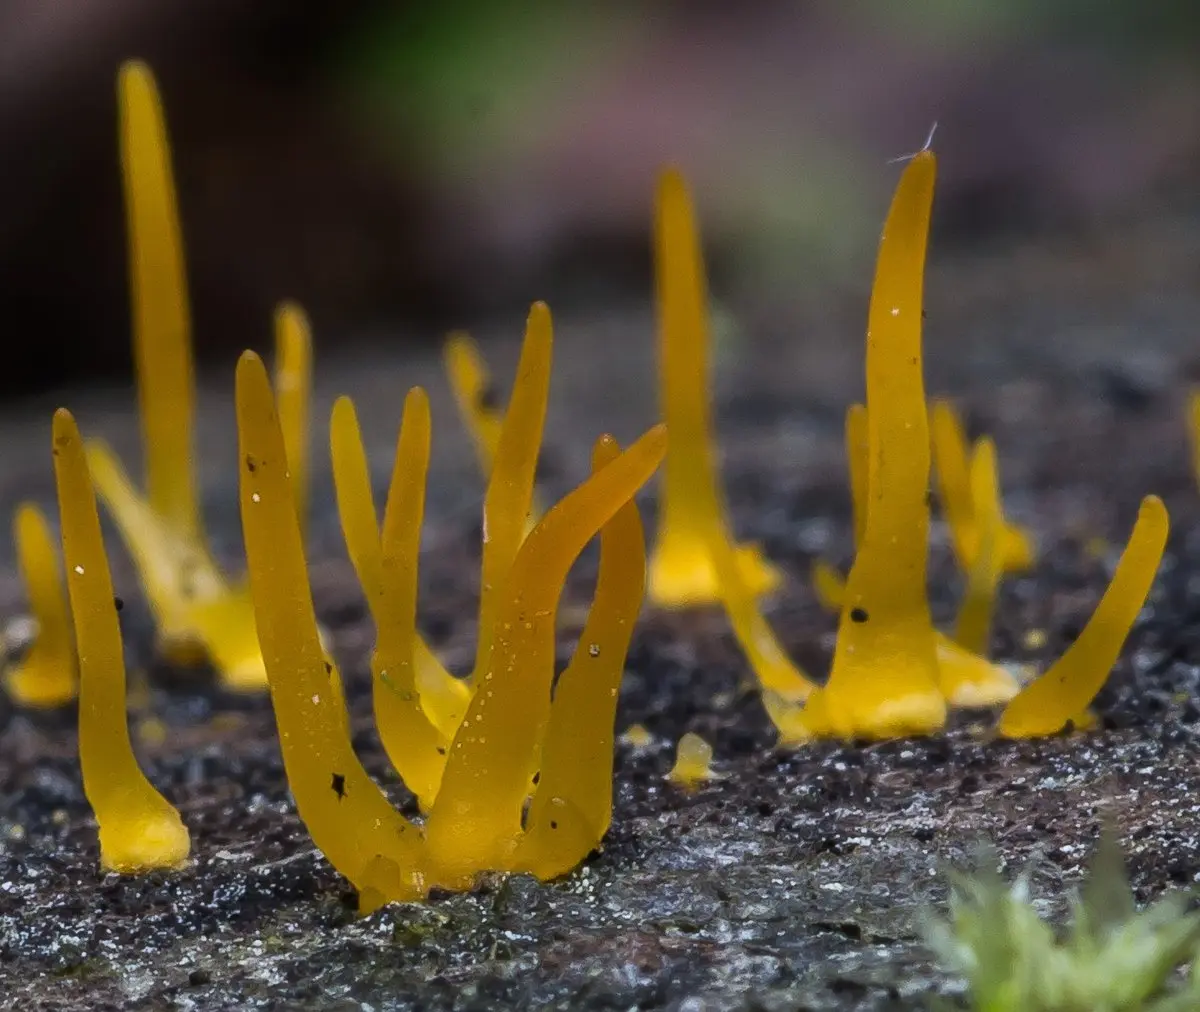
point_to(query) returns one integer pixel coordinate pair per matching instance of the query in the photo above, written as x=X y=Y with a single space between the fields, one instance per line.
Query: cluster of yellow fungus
x=513 y=770
x=511 y=764
x=893 y=673
x=200 y=614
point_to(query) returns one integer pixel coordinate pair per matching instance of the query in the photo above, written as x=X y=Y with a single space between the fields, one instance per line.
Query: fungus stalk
x=47 y=676
x=139 y=829
x=691 y=507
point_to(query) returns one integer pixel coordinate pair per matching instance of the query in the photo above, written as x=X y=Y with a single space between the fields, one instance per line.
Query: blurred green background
x=409 y=167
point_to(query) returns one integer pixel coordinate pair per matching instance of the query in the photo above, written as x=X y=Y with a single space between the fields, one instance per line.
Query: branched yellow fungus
x=517 y=746
x=693 y=763
x=953 y=469
x=47 y=676
x=139 y=829
x=691 y=506
x=200 y=614
x=1063 y=693
x=416 y=719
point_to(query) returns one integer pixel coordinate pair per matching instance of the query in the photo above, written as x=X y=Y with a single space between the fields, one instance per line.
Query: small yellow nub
x=691 y=508
x=47 y=676
x=139 y=828
x=693 y=763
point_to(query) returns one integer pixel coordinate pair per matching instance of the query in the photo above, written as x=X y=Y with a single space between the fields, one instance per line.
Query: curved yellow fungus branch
x=682 y=570
x=48 y=674
x=350 y=819
x=1061 y=695
x=572 y=806
x=884 y=681
x=974 y=627
x=139 y=829
x=477 y=820
x=961 y=509
x=200 y=614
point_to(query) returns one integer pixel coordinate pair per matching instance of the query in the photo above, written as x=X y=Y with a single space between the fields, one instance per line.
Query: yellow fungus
x=47 y=676
x=1065 y=690
x=958 y=503
x=637 y=737
x=974 y=626
x=491 y=765
x=293 y=386
x=574 y=793
x=349 y=818
x=200 y=614
x=693 y=763
x=414 y=740
x=478 y=404
x=517 y=745
x=139 y=829
x=857 y=454
x=682 y=570
x=884 y=681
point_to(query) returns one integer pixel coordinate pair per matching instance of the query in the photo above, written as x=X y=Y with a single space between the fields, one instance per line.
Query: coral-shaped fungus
x=139 y=828
x=47 y=675
x=521 y=780
x=692 y=511
x=892 y=672
x=199 y=612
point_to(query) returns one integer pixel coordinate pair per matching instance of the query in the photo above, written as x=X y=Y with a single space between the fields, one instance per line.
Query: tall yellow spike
x=139 y=829
x=477 y=820
x=162 y=337
x=349 y=818
x=572 y=806
x=884 y=679
x=1060 y=695
x=682 y=571
x=47 y=676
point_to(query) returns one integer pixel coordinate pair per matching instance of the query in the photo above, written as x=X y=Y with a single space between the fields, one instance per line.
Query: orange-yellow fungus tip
x=1064 y=692
x=691 y=507
x=47 y=675
x=693 y=763
x=139 y=829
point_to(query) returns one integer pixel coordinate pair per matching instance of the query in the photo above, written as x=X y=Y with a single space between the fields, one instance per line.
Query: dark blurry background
x=418 y=166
